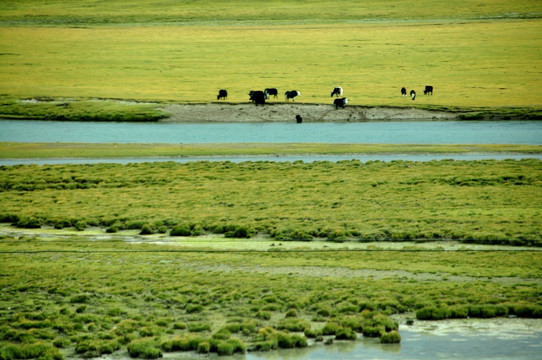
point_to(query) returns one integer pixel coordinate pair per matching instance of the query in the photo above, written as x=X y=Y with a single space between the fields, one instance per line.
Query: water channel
x=389 y=132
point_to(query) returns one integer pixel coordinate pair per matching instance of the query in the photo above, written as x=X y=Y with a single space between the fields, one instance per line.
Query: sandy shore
x=275 y=112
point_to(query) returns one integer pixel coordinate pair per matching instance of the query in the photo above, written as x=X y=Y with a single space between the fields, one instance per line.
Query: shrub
x=193 y=308
x=204 y=347
x=324 y=312
x=199 y=327
x=459 y=312
x=355 y=323
x=392 y=337
x=222 y=334
x=109 y=347
x=176 y=344
x=86 y=347
x=146 y=230
x=373 y=331
x=144 y=349
x=179 y=326
x=240 y=232
x=264 y=315
x=300 y=341
x=290 y=341
x=30 y=351
x=113 y=228
x=330 y=328
x=115 y=312
x=291 y=313
x=80 y=225
x=432 y=313
x=312 y=333
x=231 y=347
x=345 y=334
x=180 y=230
x=146 y=331
x=285 y=341
x=349 y=309
x=293 y=324
x=487 y=311
x=79 y=299
x=266 y=345
x=61 y=343
x=29 y=223
x=526 y=311
x=385 y=322
x=61 y=224
x=224 y=348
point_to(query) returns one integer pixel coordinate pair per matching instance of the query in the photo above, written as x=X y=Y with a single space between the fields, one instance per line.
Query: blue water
x=417 y=132
x=291 y=158
x=418 y=346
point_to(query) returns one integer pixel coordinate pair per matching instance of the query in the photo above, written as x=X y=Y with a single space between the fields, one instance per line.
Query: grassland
x=480 y=201
x=76 y=295
x=483 y=55
x=15 y=150
x=71 y=297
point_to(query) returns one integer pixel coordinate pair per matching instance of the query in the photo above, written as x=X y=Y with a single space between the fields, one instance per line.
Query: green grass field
x=77 y=298
x=492 y=202
x=172 y=273
x=481 y=54
x=15 y=150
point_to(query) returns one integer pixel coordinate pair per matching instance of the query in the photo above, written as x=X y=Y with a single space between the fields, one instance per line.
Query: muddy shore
x=274 y=112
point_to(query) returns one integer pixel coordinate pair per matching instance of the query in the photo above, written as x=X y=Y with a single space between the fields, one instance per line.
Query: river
x=389 y=132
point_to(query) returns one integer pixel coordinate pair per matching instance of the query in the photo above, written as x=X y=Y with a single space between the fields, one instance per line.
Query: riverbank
x=132 y=110
x=280 y=112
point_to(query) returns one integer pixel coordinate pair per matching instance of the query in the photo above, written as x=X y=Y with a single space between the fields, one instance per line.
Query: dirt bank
x=273 y=112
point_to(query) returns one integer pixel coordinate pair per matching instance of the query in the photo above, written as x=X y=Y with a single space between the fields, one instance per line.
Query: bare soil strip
x=274 y=112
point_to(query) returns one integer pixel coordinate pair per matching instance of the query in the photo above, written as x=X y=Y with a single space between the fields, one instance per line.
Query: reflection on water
x=470 y=345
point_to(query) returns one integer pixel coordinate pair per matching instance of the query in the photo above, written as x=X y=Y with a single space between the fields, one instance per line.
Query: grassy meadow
x=140 y=260
x=71 y=297
x=492 y=202
x=16 y=150
x=485 y=54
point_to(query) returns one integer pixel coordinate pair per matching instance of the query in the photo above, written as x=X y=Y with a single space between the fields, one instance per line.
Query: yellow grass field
x=470 y=63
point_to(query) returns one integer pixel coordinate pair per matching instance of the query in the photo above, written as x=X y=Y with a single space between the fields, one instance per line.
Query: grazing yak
x=258 y=97
x=298 y=119
x=271 y=92
x=291 y=94
x=413 y=94
x=428 y=90
x=222 y=94
x=337 y=91
x=340 y=102
x=403 y=91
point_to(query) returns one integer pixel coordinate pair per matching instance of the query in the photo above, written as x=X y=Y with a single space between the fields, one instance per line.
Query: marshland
x=159 y=259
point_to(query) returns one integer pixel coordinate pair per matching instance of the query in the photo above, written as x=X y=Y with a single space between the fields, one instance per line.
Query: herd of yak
x=259 y=97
